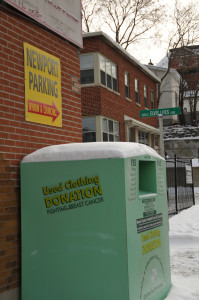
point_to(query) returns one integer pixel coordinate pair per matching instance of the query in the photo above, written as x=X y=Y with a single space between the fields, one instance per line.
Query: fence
x=180 y=188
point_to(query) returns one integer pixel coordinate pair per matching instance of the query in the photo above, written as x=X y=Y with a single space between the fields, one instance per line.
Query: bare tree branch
x=185 y=34
x=90 y=10
x=129 y=20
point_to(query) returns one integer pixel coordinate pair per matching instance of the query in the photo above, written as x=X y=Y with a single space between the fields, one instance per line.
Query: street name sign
x=163 y=111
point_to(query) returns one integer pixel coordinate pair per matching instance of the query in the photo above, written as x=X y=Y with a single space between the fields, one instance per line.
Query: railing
x=180 y=187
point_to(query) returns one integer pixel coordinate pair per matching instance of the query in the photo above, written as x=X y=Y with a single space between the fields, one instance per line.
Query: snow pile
x=195 y=162
x=181 y=132
x=86 y=151
x=184 y=250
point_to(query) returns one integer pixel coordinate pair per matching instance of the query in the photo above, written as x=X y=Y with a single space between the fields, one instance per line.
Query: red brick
x=19 y=137
x=110 y=104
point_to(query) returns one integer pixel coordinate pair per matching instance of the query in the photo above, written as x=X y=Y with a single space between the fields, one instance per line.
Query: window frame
x=137 y=92
x=145 y=137
x=126 y=84
x=108 y=73
x=146 y=102
x=86 y=69
x=157 y=91
x=113 y=134
x=89 y=132
x=152 y=99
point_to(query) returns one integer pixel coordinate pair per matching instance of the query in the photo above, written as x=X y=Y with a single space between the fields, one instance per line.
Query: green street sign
x=163 y=111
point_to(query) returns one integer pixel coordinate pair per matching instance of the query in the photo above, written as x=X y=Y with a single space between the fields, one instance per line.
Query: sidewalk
x=184 y=253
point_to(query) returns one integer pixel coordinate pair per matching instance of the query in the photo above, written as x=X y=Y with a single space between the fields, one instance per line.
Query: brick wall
x=18 y=137
x=91 y=104
x=101 y=101
x=186 y=62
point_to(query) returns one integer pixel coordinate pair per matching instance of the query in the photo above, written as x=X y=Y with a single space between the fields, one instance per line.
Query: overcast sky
x=148 y=49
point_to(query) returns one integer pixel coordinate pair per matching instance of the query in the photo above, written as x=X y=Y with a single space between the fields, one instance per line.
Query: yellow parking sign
x=43 y=103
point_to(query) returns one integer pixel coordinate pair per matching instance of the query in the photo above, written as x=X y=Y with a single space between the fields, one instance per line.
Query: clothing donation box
x=94 y=223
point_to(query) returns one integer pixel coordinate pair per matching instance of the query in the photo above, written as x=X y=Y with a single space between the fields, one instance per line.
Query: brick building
x=21 y=135
x=186 y=61
x=115 y=87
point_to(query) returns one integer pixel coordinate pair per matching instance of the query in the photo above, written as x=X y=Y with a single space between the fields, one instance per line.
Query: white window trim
x=95 y=66
x=99 y=127
x=128 y=84
x=146 y=95
x=137 y=90
x=112 y=77
x=152 y=93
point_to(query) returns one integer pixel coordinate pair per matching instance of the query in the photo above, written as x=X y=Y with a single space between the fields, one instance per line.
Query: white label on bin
x=132 y=180
x=160 y=179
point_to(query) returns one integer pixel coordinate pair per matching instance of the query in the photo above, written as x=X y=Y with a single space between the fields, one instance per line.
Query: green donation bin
x=94 y=223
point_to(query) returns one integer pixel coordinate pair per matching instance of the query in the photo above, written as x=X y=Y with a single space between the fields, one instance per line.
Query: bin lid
x=87 y=151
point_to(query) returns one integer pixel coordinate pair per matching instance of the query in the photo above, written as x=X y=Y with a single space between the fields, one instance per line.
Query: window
x=126 y=79
x=137 y=96
x=89 y=130
x=108 y=73
x=157 y=91
x=156 y=141
x=87 y=69
x=145 y=95
x=143 y=137
x=152 y=99
x=114 y=74
x=176 y=99
x=110 y=130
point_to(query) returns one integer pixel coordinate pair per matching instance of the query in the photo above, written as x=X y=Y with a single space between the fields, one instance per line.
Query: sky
x=149 y=49
x=184 y=253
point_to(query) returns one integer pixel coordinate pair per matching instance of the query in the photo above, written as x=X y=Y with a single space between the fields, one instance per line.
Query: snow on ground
x=195 y=162
x=184 y=253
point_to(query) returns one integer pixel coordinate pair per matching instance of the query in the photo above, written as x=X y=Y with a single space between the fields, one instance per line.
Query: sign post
x=160 y=118
x=160 y=113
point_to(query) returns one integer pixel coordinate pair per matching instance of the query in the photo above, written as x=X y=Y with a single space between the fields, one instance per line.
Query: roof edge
x=171 y=70
x=114 y=44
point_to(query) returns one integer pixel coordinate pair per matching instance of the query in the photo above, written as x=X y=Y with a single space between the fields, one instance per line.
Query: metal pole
x=176 y=185
x=160 y=118
x=194 y=203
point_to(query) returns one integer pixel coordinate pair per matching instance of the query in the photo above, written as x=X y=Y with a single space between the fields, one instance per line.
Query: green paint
x=162 y=111
x=100 y=235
